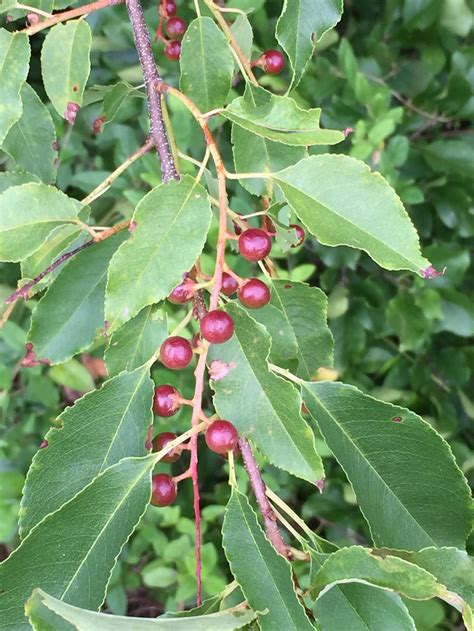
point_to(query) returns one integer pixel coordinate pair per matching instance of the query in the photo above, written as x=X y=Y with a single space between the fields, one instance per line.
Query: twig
x=69 y=15
x=152 y=80
x=259 y=489
x=232 y=41
x=6 y=314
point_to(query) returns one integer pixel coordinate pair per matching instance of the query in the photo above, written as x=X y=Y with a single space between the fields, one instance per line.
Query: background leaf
x=89 y=532
x=152 y=261
x=262 y=406
x=301 y=24
x=263 y=575
x=207 y=65
x=342 y=202
x=14 y=64
x=29 y=214
x=32 y=139
x=65 y=63
x=70 y=315
x=396 y=468
x=100 y=429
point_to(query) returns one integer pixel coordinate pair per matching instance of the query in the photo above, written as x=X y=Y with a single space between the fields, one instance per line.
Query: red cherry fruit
x=163 y=490
x=254 y=294
x=176 y=27
x=176 y=353
x=160 y=441
x=169 y=8
x=229 y=285
x=272 y=62
x=173 y=50
x=254 y=244
x=164 y=401
x=221 y=437
x=181 y=293
x=300 y=234
x=217 y=327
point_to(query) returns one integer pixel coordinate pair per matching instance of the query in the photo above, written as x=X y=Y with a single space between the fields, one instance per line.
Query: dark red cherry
x=176 y=27
x=300 y=234
x=229 y=285
x=169 y=8
x=181 y=293
x=254 y=244
x=173 y=50
x=221 y=437
x=176 y=353
x=217 y=327
x=163 y=490
x=272 y=62
x=161 y=440
x=254 y=294
x=164 y=401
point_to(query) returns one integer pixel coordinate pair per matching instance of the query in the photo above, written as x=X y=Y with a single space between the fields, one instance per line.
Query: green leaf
x=254 y=154
x=263 y=407
x=61 y=240
x=397 y=464
x=301 y=24
x=14 y=178
x=103 y=427
x=359 y=564
x=65 y=64
x=207 y=65
x=29 y=214
x=70 y=316
x=40 y=604
x=342 y=202
x=279 y=118
x=73 y=375
x=14 y=65
x=305 y=310
x=136 y=341
x=7 y=5
x=152 y=262
x=115 y=98
x=32 y=138
x=243 y=33
x=263 y=575
x=71 y=553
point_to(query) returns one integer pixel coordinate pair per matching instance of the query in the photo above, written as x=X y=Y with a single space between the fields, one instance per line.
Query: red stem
x=69 y=15
x=258 y=487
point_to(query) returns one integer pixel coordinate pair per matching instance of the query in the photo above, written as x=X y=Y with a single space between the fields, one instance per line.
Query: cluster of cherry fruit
x=271 y=62
x=216 y=327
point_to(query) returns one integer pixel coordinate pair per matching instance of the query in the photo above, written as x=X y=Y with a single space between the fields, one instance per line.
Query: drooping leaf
x=101 y=428
x=15 y=178
x=70 y=315
x=29 y=214
x=301 y=24
x=397 y=464
x=14 y=64
x=357 y=564
x=342 y=202
x=65 y=64
x=153 y=260
x=71 y=553
x=357 y=606
x=243 y=33
x=136 y=341
x=262 y=406
x=254 y=154
x=207 y=65
x=31 y=140
x=40 y=605
x=305 y=310
x=263 y=575
x=279 y=118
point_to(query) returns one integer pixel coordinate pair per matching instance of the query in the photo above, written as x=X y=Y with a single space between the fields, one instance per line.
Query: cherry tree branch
x=152 y=80
x=259 y=489
x=69 y=15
